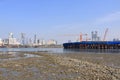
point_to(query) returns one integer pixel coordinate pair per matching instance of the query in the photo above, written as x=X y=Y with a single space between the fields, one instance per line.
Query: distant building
x=116 y=39
x=11 y=40
x=95 y=36
x=22 y=39
x=1 y=42
x=41 y=42
x=52 y=42
x=35 y=39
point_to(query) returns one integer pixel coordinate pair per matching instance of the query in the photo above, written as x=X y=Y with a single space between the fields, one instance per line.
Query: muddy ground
x=46 y=66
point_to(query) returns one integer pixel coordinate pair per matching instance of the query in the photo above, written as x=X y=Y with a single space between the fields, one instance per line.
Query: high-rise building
x=22 y=38
x=35 y=39
x=95 y=36
x=10 y=35
x=11 y=40
x=52 y=42
x=1 y=42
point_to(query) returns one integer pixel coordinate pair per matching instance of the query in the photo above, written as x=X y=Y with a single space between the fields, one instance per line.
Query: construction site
x=93 y=43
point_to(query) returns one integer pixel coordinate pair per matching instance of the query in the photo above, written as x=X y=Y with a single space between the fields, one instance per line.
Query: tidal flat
x=48 y=66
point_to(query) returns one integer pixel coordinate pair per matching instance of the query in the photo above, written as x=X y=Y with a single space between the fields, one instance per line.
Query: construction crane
x=80 y=36
x=106 y=31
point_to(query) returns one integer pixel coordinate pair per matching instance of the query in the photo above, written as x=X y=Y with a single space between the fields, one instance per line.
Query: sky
x=54 y=19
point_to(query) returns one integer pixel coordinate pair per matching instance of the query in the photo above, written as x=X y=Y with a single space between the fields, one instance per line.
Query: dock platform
x=92 y=45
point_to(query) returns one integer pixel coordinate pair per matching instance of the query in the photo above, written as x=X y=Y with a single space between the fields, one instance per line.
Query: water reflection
x=92 y=50
x=59 y=50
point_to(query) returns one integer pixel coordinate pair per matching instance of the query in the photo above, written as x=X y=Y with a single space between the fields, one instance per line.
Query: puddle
x=16 y=56
x=30 y=55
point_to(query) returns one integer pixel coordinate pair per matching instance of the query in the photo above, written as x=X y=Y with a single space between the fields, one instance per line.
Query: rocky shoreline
x=46 y=66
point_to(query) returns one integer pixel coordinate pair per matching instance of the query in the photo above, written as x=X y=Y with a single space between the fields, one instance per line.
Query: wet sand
x=46 y=66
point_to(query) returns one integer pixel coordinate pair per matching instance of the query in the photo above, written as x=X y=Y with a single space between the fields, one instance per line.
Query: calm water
x=57 y=50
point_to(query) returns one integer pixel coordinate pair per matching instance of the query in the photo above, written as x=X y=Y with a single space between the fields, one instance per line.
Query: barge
x=92 y=45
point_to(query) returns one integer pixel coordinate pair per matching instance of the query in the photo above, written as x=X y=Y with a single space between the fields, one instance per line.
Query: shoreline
x=31 y=46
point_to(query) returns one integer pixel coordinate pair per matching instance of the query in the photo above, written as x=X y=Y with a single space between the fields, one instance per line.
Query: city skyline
x=50 y=19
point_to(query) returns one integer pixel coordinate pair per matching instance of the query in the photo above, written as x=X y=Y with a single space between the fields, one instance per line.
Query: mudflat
x=48 y=66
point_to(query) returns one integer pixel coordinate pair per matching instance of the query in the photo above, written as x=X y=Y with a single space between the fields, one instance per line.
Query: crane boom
x=81 y=36
x=105 y=34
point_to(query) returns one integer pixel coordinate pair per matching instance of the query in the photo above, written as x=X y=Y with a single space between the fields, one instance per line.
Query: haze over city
x=52 y=19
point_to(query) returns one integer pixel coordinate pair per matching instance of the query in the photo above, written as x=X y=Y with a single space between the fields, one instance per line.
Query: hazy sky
x=52 y=19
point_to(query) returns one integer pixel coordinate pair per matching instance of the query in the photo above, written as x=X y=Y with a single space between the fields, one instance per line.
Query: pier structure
x=93 y=45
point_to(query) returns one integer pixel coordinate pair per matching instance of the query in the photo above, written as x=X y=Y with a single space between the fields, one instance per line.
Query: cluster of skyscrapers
x=12 y=41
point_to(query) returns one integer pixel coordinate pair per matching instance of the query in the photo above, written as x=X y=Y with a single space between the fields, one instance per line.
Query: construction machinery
x=106 y=31
x=80 y=36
